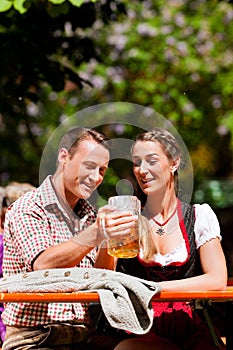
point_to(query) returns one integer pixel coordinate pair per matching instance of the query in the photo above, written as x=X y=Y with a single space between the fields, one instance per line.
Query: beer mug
x=125 y=246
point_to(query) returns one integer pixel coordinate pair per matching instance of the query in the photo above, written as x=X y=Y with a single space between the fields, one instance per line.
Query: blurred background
x=58 y=57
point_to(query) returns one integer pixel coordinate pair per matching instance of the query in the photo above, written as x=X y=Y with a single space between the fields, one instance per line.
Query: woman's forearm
x=104 y=260
x=202 y=282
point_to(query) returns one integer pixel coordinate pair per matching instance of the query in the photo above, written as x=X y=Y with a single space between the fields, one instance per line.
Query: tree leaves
x=22 y=6
x=5 y=5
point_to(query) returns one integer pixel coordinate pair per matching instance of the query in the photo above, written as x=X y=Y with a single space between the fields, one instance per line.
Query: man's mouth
x=89 y=186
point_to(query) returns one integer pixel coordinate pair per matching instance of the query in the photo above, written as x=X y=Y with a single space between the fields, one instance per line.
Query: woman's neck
x=161 y=207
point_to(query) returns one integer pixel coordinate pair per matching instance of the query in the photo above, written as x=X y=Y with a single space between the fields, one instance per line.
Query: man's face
x=84 y=171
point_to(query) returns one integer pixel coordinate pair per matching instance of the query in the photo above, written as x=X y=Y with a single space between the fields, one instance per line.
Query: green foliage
x=218 y=193
x=176 y=57
x=22 y=6
x=5 y=5
x=41 y=52
x=61 y=56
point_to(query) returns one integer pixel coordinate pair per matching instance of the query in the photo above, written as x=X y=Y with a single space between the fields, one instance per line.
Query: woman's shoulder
x=203 y=210
x=206 y=224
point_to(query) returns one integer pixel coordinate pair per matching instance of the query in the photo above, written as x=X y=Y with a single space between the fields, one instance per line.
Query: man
x=55 y=227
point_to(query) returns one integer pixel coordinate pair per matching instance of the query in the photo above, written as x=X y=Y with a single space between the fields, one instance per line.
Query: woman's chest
x=178 y=254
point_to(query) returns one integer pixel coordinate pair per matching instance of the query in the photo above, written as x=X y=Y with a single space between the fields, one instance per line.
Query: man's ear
x=63 y=155
x=175 y=165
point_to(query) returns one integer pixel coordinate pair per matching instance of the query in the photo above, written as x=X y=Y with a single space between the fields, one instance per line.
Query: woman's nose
x=143 y=169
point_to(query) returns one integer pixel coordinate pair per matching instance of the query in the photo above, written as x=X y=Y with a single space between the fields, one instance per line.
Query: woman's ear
x=175 y=165
x=62 y=156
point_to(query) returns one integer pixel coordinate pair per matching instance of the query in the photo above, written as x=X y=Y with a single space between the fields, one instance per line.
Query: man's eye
x=137 y=163
x=103 y=171
x=90 y=166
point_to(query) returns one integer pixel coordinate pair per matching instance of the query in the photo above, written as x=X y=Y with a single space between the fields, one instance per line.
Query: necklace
x=160 y=231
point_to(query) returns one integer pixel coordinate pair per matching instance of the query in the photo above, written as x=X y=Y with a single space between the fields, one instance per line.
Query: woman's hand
x=114 y=223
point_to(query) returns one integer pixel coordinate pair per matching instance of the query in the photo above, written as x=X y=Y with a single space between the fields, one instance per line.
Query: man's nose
x=94 y=175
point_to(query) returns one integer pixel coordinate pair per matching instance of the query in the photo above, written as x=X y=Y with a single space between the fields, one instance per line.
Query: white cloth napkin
x=125 y=300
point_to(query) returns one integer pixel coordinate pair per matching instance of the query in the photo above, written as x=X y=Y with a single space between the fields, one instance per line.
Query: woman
x=181 y=249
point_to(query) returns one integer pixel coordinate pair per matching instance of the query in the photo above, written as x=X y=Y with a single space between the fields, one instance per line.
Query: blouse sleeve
x=206 y=224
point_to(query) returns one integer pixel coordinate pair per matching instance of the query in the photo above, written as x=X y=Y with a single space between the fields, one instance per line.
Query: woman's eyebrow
x=147 y=155
x=152 y=154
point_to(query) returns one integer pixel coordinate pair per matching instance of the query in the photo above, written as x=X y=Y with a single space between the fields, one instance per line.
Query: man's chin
x=85 y=194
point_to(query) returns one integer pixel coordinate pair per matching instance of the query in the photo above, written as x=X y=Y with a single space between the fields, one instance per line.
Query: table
x=87 y=297
x=199 y=298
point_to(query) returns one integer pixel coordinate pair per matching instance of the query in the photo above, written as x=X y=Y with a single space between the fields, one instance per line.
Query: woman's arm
x=214 y=268
x=104 y=260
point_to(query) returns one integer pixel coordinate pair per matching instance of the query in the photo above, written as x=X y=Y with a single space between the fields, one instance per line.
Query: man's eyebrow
x=89 y=161
x=94 y=163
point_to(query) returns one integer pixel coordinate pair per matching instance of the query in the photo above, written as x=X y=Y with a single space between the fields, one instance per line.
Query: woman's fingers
x=120 y=224
x=114 y=223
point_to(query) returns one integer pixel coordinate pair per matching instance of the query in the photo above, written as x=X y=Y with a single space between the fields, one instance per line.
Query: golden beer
x=129 y=250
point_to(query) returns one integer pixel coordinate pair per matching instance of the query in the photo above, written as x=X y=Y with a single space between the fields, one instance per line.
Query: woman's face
x=152 y=168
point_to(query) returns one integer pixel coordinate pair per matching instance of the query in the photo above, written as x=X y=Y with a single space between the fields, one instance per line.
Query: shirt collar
x=83 y=209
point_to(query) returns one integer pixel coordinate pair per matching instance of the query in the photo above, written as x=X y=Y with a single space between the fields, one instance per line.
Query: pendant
x=160 y=231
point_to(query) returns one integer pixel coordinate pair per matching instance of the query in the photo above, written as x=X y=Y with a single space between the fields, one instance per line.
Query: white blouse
x=206 y=227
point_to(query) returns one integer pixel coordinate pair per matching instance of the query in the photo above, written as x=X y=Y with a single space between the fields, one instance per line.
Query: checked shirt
x=35 y=222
